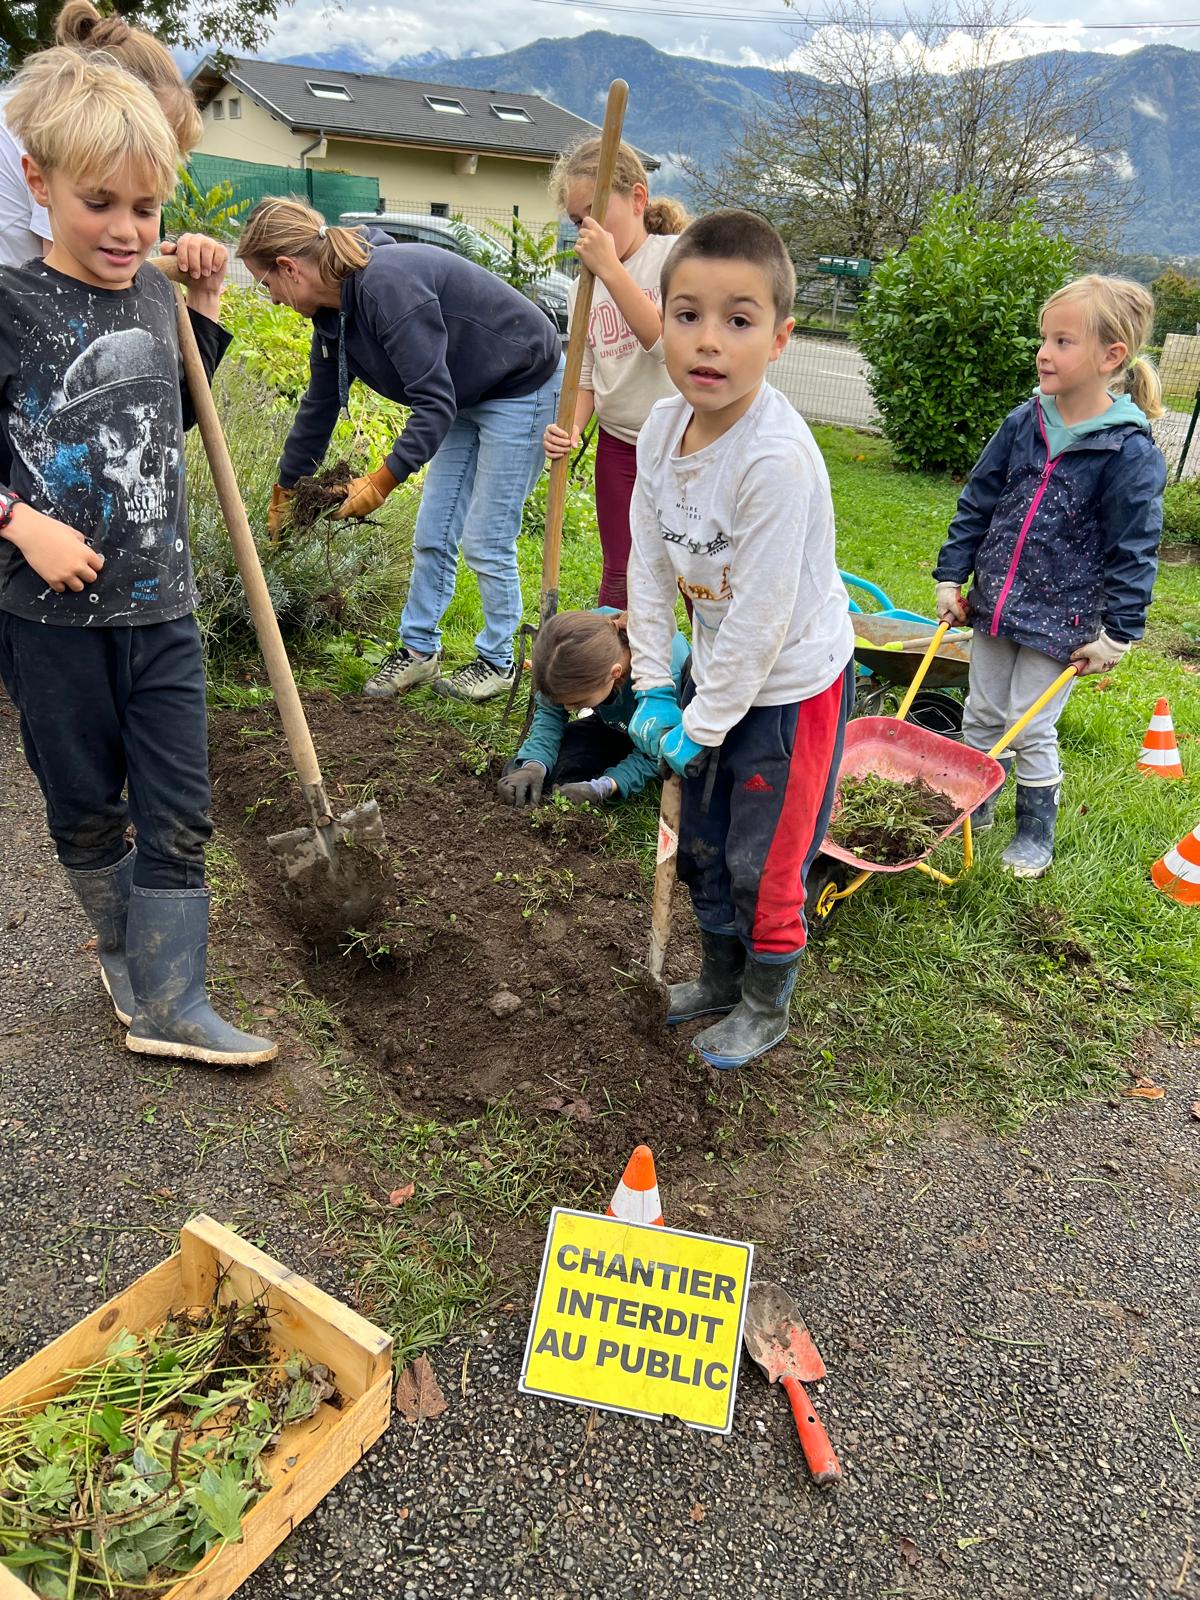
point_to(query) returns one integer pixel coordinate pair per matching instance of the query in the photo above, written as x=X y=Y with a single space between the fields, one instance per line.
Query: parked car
x=412 y=227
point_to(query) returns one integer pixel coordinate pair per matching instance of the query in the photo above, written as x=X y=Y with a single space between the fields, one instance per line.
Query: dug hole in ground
x=1010 y=1324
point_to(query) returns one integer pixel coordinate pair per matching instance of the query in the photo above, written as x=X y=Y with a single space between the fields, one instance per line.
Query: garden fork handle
x=245 y=553
x=556 y=493
x=1042 y=701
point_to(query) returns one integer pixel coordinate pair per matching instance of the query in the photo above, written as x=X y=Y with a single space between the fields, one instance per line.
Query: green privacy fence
x=330 y=193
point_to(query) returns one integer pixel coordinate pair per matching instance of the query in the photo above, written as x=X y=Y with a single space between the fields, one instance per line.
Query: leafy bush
x=1176 y=304
x=1181 y=512
x=194 y=210
x=950 y=328
x=338 y=577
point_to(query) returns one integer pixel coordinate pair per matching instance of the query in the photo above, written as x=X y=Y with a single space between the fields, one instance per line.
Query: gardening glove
x=682 y=754
x=522 y=787
x=279 y=510
x=592 y=791
x=657 y=712
x=1102 y=655
x=364 y=495
x=949 y=604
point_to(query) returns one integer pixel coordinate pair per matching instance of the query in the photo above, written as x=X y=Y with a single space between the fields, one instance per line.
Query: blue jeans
x=109 y=710
x=475 y=489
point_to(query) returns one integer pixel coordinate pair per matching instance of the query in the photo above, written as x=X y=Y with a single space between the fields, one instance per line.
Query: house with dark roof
x=434 y=148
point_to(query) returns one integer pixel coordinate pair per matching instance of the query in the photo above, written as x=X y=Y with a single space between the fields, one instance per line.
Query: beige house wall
x=1179 y=366
x=409 y=178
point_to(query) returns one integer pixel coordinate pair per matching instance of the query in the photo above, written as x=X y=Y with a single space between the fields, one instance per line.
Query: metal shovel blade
x=336 y=873
x=777 y=1338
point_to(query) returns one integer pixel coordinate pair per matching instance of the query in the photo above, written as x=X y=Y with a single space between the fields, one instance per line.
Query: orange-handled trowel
x=782 y=1347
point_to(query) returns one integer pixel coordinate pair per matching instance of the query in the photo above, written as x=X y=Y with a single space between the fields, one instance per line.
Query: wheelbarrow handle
x=1039 y=704
x=935 y=645
x=814 y=1441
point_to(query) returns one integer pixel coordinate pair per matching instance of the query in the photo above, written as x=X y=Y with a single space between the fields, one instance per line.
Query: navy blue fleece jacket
x=421 y=326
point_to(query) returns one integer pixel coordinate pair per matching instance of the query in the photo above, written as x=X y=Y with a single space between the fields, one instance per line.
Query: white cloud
x=1147 y=108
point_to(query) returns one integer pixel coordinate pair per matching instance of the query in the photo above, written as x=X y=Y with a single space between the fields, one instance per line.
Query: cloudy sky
x=760 y=32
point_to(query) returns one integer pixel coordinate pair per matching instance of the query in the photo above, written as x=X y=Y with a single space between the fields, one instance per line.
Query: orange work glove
x=279 y=510
x=364 y=495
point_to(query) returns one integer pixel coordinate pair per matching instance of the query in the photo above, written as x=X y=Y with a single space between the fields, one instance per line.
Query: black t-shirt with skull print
x=93 y=413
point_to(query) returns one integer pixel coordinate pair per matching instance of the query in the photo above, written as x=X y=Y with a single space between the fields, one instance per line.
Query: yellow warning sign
x=636 y=1318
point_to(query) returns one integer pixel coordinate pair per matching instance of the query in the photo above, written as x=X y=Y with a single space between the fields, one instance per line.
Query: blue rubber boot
x=983 y=816
x=758 y=1023
x=1032 y=849
x=167 y=946
x=104 y=896
x=719 y=986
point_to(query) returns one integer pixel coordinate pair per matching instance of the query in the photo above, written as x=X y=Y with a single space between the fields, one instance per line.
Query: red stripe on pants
x=778 y=925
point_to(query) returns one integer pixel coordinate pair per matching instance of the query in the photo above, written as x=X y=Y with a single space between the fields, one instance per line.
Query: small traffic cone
x=635 y=1198
x=1160 y=752
x=1178 y=872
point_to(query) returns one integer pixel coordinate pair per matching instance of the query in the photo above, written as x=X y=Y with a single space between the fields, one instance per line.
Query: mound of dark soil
x=317 y=496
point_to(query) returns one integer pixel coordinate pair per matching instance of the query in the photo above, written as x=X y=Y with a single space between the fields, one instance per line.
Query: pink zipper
x=1029 y=516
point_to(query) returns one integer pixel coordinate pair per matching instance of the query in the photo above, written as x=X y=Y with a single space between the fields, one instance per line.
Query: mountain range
x=682 y=106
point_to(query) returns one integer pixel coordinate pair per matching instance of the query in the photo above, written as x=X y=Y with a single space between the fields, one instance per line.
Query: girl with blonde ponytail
x=24 y=225
x=623 y=372
x=478 y=365
x=1059 y=524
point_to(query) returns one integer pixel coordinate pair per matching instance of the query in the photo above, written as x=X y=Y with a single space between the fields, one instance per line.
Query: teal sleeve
x=632 y=774
x=545 y=734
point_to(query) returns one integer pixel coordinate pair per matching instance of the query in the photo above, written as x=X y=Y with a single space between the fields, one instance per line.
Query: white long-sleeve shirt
x=743 y=528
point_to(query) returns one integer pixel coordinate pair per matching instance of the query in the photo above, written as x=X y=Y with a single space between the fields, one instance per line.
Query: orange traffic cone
x=1160 y=752
x=635 y=1198
x=1178 y=873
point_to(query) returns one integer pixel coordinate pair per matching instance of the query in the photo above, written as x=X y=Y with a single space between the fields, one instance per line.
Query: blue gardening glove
x=658 y=711
x=682 y=754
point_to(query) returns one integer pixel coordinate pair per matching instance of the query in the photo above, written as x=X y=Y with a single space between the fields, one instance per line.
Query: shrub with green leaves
x=192 y=209
x=950 y=329
x=1181 y=512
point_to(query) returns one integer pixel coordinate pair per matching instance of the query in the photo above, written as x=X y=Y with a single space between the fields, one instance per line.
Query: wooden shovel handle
x=814 y=1441
x=664 y=873
x=556 y=494
x=245 y=553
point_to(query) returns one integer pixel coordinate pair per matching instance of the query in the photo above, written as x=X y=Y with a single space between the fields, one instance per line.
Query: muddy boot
x=1032 y=849
x=758 y=1023
x=719 y=986
x=983 y=816
x=104 y=896
x=167 y=945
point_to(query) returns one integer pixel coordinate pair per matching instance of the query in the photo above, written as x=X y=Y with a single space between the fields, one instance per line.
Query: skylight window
x=439 y=102
x=511 y=113
x=329 y=91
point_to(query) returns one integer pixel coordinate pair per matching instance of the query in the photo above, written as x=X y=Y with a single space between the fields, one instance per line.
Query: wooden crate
x=311 y=1456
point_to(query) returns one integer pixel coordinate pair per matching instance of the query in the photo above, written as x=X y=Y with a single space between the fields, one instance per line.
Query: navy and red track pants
x=745 y=854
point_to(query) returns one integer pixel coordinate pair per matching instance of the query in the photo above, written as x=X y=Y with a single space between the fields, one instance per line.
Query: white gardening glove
x=1102 y=655
x=949 y=603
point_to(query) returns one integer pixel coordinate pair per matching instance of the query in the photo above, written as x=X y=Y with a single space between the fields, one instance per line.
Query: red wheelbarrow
x=889 y=747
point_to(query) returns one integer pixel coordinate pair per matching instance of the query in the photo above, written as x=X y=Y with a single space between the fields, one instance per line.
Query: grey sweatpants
x=1006 y=679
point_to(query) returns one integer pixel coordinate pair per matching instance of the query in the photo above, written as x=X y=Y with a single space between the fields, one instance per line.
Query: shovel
x=782 y=1348
x=332 y=867
x=650 y=993
x=560 y=469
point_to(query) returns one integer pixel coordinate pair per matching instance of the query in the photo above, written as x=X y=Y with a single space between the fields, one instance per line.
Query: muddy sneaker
x=401 y=671
x=478 y=680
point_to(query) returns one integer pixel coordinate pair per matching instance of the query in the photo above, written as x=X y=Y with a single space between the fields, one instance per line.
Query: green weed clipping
x=151 y=1457
x=889 y=822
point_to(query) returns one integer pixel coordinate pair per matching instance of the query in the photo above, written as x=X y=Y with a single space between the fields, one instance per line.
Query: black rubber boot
x=719 y=986
x=758 y=1023
x=983 y=816
x=1032 y=849
x=104 y=896
x=167 y=945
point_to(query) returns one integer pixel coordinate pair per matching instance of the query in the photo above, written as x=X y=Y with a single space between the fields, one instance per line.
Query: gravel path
x=1011 y=1328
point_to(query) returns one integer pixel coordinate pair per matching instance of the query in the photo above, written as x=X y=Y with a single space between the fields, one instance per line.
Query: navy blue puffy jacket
x=1059 y=547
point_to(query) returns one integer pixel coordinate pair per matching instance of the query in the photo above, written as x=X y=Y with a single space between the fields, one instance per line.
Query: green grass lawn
x=991 y=994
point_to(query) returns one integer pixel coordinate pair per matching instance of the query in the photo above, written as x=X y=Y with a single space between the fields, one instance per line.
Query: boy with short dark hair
x=733 y=508
x=99 y=649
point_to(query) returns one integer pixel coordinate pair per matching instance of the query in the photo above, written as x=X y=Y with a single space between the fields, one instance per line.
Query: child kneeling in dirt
x=581 y=662
x=99 y=648
x=732 y=506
